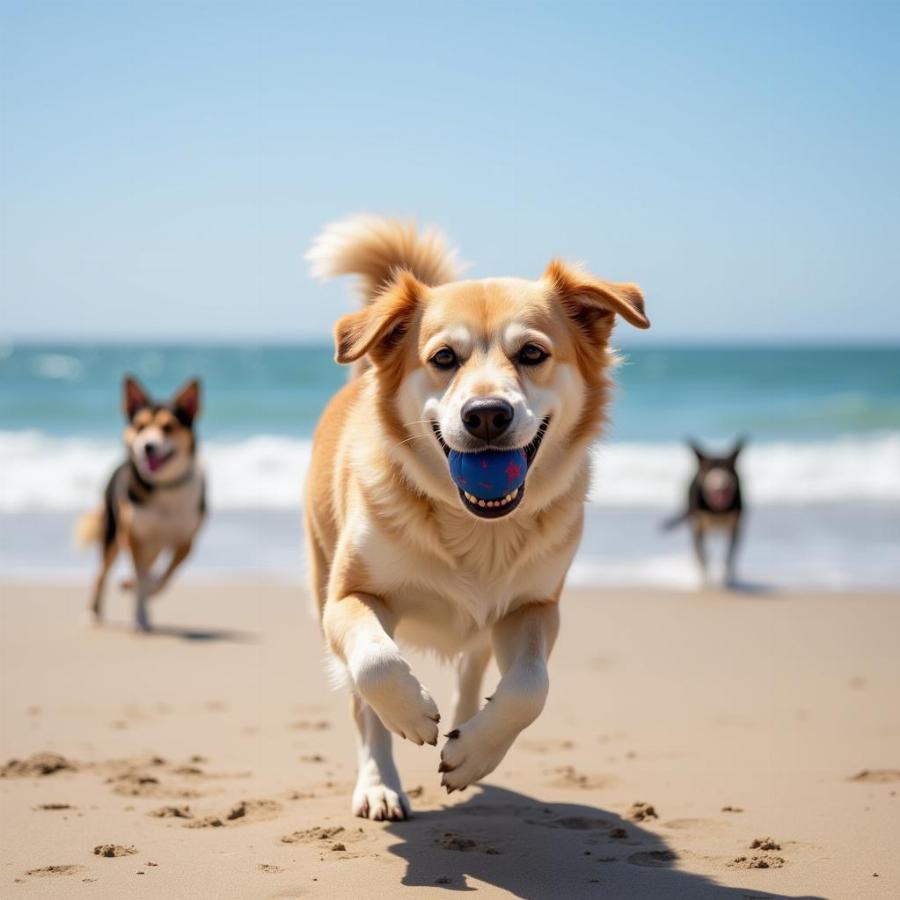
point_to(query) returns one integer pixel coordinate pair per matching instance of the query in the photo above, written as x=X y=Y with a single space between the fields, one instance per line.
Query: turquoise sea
x=822 y=468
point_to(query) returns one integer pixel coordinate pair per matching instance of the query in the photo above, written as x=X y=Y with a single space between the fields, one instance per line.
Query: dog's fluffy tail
x=89 y=528
x=374 y=249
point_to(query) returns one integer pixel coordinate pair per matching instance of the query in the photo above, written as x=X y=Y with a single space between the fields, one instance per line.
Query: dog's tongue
x=154 y=463
x=720 y=499
x=490 y=474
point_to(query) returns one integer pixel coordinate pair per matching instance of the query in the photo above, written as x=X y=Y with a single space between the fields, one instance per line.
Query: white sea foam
x=39 y=472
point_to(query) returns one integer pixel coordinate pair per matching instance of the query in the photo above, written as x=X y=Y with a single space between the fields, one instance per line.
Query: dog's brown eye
x=168 y=428
x=445 y=358
x=532 y=355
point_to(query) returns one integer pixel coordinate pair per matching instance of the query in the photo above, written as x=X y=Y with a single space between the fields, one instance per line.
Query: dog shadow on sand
x=203 y=634
x=183 y=633
x=538 y=851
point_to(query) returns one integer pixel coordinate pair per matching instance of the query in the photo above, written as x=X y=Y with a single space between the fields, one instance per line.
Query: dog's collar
x=148 y=487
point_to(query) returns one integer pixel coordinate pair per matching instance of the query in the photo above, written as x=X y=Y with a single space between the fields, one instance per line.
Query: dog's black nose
x=487 y=417
x=151 y=450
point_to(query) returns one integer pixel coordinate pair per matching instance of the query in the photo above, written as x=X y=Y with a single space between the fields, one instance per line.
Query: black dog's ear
x=698 y=451
x=134 y=397
x=736 y=450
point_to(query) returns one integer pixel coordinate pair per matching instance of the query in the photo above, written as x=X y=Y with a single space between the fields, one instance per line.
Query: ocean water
x=821 y=470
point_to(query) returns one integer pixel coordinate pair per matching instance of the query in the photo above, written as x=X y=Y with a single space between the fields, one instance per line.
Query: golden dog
x=397 y=552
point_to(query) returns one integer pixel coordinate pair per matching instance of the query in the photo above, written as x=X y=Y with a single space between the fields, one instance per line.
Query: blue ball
x=490 y=474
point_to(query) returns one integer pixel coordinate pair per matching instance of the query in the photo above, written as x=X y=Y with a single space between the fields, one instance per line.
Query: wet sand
x=212 y=759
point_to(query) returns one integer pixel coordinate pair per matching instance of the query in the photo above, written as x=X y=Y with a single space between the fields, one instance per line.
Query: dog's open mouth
x=719 y=499
x=157 y=461
x=491 y=483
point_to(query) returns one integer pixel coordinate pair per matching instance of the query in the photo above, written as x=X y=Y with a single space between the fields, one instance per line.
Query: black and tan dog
x=714 y=504
x=155 y=501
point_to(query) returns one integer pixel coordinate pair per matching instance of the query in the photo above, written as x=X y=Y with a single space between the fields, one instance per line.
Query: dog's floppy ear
x=134 y=397
x=589 y=301
x=186 y=402
x=380 y=327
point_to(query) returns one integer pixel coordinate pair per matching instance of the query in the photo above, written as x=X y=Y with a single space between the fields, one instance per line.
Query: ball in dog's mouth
x=491 y=482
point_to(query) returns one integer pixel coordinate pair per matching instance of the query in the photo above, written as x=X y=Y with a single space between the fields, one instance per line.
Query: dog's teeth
x=492 y=504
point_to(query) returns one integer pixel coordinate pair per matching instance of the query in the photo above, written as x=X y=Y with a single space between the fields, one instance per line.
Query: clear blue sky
x=164 y=165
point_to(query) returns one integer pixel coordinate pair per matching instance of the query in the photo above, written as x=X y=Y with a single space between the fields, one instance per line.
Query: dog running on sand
x=155 y=501
x=714 y=505
x=502 y=375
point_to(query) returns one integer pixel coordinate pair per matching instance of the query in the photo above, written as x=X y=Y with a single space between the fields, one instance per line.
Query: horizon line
x=323 y=341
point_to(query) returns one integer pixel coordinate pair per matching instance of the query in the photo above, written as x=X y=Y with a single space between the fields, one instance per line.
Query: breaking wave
x=40 y=472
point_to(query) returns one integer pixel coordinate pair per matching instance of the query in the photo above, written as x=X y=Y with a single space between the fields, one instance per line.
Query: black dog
x=714 y=503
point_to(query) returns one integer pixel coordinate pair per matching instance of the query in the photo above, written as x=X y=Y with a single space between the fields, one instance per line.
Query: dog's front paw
x=386 y=683
x=379 y=802
x=471 y=752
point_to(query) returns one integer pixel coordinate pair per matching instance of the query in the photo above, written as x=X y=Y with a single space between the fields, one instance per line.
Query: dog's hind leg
x=734 y=539
x=378 y=794
x=470 y=666
x=700 y=551
x=108 y=557
x=179 y=555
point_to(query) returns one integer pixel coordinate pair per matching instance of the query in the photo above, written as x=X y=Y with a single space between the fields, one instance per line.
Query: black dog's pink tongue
x=720 y=499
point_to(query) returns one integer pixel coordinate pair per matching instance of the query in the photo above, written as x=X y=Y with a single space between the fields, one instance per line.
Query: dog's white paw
x=471 y=752
x=379 y=802
x=386 y=683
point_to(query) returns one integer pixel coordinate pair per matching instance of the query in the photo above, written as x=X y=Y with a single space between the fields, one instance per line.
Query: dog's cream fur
x=395 y=555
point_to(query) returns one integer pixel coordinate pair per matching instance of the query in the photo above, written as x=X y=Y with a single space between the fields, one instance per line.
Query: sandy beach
x=694 y=745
